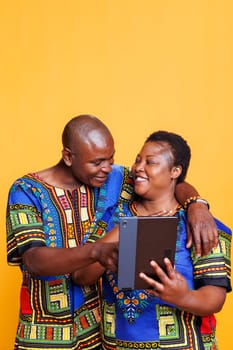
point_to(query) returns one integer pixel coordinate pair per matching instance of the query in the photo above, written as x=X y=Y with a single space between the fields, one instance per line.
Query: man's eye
x=98 y=162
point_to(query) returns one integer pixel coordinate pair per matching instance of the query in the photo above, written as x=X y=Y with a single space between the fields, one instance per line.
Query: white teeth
x=140 y=179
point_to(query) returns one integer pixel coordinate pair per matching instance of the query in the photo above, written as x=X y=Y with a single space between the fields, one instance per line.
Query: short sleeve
x=23 y=221
x=215 y=268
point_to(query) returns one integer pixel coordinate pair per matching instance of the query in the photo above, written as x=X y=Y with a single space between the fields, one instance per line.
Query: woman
x=177 y=312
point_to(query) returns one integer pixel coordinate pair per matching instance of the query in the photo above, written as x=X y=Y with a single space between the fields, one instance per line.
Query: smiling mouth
x=140 y=179
x=101 y=178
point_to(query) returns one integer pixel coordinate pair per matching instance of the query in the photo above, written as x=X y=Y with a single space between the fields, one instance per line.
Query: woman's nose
x=138 y=166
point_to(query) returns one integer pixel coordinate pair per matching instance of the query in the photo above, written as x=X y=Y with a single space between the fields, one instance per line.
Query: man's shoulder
x=24 y=179
x=119 y=174
x=119 y=168
x=120 y=183
x=28 y=184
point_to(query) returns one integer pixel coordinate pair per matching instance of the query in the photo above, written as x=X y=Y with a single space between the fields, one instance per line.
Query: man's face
x=91 y=161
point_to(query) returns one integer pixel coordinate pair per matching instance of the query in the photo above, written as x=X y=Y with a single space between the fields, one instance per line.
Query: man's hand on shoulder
x=202 y=230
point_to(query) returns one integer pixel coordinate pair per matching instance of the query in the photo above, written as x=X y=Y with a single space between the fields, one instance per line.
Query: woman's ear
x=176 y=171
x=66 y=156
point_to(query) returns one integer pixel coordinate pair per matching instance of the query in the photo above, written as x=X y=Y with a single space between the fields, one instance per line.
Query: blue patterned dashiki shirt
x=55 y=313
x=134 y=319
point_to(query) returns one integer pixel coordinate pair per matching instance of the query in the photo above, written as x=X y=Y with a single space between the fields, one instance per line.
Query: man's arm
x=45 y=261
x=90 y=274
x=201 y=225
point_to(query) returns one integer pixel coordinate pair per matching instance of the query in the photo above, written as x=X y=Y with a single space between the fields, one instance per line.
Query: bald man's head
x=83 y=128
x=88 y=150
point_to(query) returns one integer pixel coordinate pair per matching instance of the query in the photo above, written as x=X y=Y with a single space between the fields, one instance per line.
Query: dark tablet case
x=143 y=238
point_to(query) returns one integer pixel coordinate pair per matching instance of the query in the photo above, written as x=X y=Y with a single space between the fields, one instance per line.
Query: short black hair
x=180 y=149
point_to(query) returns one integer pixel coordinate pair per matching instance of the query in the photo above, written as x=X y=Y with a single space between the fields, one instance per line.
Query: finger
x=169 y=268
x=189 y=238
x=196 y=240
x=154 y=292
x=209 y=241
x=208 y=238
x=203 y=228
x=111 y=265
x=150 y=281
x=212 y=235
x=163 y=277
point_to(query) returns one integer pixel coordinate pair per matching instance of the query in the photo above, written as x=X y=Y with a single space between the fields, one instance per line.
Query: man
x=49 y=218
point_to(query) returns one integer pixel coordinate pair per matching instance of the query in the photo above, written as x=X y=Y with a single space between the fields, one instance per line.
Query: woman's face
x=153 y=170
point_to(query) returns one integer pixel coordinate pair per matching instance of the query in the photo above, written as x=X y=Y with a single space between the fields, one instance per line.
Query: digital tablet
x=142 y=239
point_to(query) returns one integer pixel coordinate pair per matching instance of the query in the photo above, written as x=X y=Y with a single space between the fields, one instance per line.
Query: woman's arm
x=174 y=289
x=91 y=273
x=201 y=225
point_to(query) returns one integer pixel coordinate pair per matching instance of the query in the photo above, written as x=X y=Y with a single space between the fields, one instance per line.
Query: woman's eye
x=151 y=162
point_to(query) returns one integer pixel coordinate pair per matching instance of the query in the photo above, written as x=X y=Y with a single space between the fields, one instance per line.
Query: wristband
x=195 y=199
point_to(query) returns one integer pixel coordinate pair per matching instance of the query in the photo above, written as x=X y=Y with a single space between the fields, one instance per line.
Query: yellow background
x=139 y=66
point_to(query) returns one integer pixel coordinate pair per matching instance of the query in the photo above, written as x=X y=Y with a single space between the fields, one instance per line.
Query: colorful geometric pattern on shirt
x=108 y=325
x=128 y=345
x=99 y=226
x=43 y=326
x=99 y=232
x=109 y=316
x=48 y=318
x=185 y=328
x=25 y=224
x=59 y=337
x=178 y=329
x=82 y=198
x=126 y=193
x=209 y=341
x=66 y=205
x=23 y=218
x=214 y=266
x=131 y=303
x=77 y=202
x=208 y=332
x=127 y=187
x=56 y=303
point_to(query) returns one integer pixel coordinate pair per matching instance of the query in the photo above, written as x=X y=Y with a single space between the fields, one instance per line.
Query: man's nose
x=106 y=166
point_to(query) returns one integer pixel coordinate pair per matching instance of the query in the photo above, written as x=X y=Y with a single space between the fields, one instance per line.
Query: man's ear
x=176 y=171
x=66 y=156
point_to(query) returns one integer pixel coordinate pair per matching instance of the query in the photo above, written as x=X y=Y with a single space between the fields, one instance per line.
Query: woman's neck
x=158 y=207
